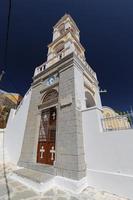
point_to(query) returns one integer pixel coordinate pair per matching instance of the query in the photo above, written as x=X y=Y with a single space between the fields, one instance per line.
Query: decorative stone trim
x=48 y=103
x=49 y=87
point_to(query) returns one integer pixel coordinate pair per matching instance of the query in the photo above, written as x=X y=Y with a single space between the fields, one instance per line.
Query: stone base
x=42 y=182
x=38 y=181
x=48 y=169
x=71 y=185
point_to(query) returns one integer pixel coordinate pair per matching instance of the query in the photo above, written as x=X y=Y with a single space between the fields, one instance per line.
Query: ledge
x=93 y=108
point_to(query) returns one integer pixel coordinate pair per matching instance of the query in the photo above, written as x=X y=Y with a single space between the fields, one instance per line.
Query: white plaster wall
x=14 y=132
x=1 y=137
x=69 y=49
x=67 y=25
x=67 y=44
x=56 y=34
x=1 y=144
x=108 y=155
x=50 y=56
x=98 y=98
x=3 y=151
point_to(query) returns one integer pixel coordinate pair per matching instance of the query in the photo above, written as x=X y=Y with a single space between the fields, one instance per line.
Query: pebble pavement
x=18 y=191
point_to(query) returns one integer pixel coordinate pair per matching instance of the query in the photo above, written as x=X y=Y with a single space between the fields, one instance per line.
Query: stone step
x=33 y=175
x=42 y=182
x=38 y=181
x=40 y=167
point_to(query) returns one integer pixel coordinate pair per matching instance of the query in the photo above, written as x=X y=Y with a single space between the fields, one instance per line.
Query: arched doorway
x=90 y=102
x=47 y=131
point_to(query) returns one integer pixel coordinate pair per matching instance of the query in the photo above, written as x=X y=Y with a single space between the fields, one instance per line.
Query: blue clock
x=50 y=80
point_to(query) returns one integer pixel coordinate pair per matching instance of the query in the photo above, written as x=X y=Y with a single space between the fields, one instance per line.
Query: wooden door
x=47 y=134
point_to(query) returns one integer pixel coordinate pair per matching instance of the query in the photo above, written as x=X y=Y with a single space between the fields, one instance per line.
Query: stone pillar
x=30 y=141
x=70 y=161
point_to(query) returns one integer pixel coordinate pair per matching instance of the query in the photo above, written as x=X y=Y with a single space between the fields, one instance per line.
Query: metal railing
x=118 y=122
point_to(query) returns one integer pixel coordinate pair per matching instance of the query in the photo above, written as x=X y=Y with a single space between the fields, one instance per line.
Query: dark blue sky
x=106 y=33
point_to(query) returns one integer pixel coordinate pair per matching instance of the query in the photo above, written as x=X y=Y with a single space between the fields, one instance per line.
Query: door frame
x=39 y=116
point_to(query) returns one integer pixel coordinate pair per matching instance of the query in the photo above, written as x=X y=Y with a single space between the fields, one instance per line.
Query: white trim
x=110 y=173
x=73 y=186
x=50 y=106
x=38 y=187
x=93 y=108
x=112 y=182
x=2 y=131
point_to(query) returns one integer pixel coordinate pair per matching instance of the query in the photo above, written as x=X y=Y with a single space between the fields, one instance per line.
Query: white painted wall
x=98 y=98
x=108 y=155
x=1 y=144
x=1 y=137
x=14 y=132
x=3 y=151
x=56 y=34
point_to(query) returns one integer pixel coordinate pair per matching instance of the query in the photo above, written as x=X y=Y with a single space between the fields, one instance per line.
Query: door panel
x=47 y=135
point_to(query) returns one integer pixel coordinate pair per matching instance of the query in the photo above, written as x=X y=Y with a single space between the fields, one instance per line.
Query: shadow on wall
x=90 y=102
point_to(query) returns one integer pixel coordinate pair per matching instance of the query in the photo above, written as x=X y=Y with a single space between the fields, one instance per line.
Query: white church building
x=58 y=131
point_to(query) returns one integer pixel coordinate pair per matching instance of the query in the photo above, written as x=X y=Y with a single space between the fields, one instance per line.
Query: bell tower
x=62 y=88
x=66 y=39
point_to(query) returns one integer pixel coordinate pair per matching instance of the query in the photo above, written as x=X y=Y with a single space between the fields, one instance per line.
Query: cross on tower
x=52 y=151
x=42 y=150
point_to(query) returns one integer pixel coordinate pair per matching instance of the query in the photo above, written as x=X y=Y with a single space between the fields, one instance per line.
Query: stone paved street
x=18 y=191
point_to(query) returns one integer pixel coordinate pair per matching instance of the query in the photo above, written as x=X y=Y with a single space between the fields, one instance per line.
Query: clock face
x=50 y=80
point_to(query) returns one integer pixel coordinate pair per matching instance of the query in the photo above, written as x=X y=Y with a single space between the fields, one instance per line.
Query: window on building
x=62 y=29
x=60 y=56
x=59 y=47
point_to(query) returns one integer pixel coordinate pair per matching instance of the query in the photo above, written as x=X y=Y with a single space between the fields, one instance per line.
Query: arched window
x=108 y=115
x=89 y=100
x=50 y=95
x=58 y=48
x=73 y=29
x=61 y=29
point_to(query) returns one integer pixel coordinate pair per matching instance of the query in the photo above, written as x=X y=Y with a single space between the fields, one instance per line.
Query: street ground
x=13 y=190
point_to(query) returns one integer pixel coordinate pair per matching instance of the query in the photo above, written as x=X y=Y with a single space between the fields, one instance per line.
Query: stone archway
x=90 y=102
x=50 y=95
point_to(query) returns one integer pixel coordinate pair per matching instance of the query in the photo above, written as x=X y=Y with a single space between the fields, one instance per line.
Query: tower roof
x=64 y=18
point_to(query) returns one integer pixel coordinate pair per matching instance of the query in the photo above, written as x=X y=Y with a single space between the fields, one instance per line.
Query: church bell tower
x=66 y=39
x=62 y=88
